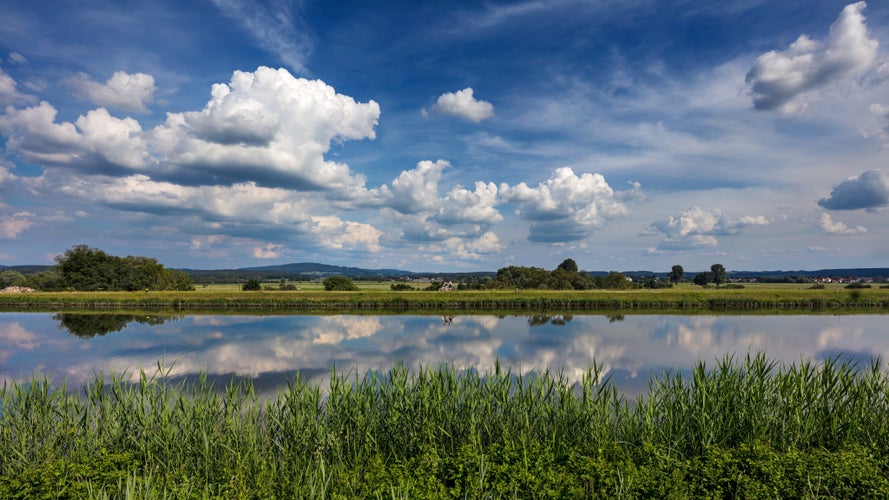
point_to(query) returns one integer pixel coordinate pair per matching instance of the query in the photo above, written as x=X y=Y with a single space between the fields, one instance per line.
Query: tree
x=677 y=274
x=616 y=281
x=11 y=278
x=718 y=274
x=568 y=265
x=703 y=279
x=340 y=284
x=252 y=285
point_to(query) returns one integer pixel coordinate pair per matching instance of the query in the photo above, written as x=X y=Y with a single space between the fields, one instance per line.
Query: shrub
x=400 y=287
x=252 y=285
x=339 y=284
x=857 y=285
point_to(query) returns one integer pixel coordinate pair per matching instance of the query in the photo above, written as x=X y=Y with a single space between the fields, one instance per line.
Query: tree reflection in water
x=557 y=320
x=86 y=325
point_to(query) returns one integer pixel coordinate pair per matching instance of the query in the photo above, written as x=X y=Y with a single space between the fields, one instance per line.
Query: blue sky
x=447 y=136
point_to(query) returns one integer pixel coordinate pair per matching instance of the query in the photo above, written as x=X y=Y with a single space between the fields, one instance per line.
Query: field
x=375 y=296
x=742 y=428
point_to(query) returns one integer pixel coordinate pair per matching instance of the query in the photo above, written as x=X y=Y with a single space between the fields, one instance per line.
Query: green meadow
x=376 y=296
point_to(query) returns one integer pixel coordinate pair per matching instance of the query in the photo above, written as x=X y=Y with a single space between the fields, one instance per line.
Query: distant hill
x=326 y=269
x=296 y=271
x=313 y=270
x=26 y=269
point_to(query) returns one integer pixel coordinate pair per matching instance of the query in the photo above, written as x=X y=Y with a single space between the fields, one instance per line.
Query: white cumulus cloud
x=464 y=105
x=565 y=207
x=9 y=92
x=779 y=79
x=698 y=228
x=828 y=225
x=125 y=91
x=334 y=233
x=269 y=127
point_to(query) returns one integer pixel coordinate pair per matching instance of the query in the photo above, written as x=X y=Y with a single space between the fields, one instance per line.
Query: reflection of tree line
x=90 y=325
x=557 y=320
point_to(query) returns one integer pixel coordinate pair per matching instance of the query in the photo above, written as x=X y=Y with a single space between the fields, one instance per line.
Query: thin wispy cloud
x=277 y=25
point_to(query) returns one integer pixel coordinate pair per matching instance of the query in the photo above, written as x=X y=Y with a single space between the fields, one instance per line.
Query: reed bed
x=748 y=427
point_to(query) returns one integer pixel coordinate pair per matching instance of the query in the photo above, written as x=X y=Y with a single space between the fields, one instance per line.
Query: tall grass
x=739 y=427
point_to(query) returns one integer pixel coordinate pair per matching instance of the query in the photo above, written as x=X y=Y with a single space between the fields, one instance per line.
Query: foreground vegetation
x=742 y=428
x=682 y=298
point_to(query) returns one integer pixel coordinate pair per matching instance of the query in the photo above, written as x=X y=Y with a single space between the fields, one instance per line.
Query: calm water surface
x=271 y=349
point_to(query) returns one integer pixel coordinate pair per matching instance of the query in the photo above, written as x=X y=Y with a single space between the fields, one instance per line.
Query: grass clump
x=738 y=428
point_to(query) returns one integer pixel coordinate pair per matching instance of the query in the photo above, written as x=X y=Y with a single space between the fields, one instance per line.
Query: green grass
x=747 y=428
x=686 y=298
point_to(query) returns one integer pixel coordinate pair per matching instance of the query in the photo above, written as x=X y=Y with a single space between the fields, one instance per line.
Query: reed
x=740 y=427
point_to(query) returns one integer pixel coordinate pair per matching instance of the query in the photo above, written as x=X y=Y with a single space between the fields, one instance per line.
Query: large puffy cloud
x=464 y=248
x=779 y=79
x=96 y=141
x=463 y=205
x=235 y=210
x=463 y=104
x=698 y=228
x=129 y=92
x=870 y=191
x=244 y=203
x=424 y=215
x=565 y=207
x=828 y=225
x=334 y=233
x=269 y=127
x=265 y=127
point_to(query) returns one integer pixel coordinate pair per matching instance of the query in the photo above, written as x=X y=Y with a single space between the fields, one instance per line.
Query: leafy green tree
x=521 y=277
x=677 y=274
x=174 y=279
x=616 y=281
x=703 y=279
x=46 y=281
x=252 y=285
x=718 y=274
x=11 y=278
x=85 y=268
x=560 y=279
x=568 y=265
x=340 y=284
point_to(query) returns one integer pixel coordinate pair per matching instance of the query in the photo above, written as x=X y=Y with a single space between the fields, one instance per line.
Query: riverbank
x=683 y=299
x=744 y=428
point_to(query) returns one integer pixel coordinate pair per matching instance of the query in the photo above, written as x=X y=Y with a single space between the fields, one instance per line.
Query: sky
x=447 y=136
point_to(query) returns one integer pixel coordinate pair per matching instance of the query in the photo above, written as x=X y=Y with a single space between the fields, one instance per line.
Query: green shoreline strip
x=686 y=301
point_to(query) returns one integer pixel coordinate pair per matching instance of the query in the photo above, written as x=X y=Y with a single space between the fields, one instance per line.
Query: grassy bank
x=683 y=298
x=741 y=428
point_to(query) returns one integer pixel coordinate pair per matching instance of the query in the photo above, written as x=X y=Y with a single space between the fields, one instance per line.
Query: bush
x=401 y=287
x=339 y=284
x=857 y=285
x=252 y=285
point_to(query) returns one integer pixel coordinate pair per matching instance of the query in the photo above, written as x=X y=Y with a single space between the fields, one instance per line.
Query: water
x=271 y=349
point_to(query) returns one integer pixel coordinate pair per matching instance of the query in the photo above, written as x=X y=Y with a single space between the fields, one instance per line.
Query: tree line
x=82 y=268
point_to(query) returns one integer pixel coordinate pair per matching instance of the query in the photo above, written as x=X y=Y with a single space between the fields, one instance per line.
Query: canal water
x=270 y=350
